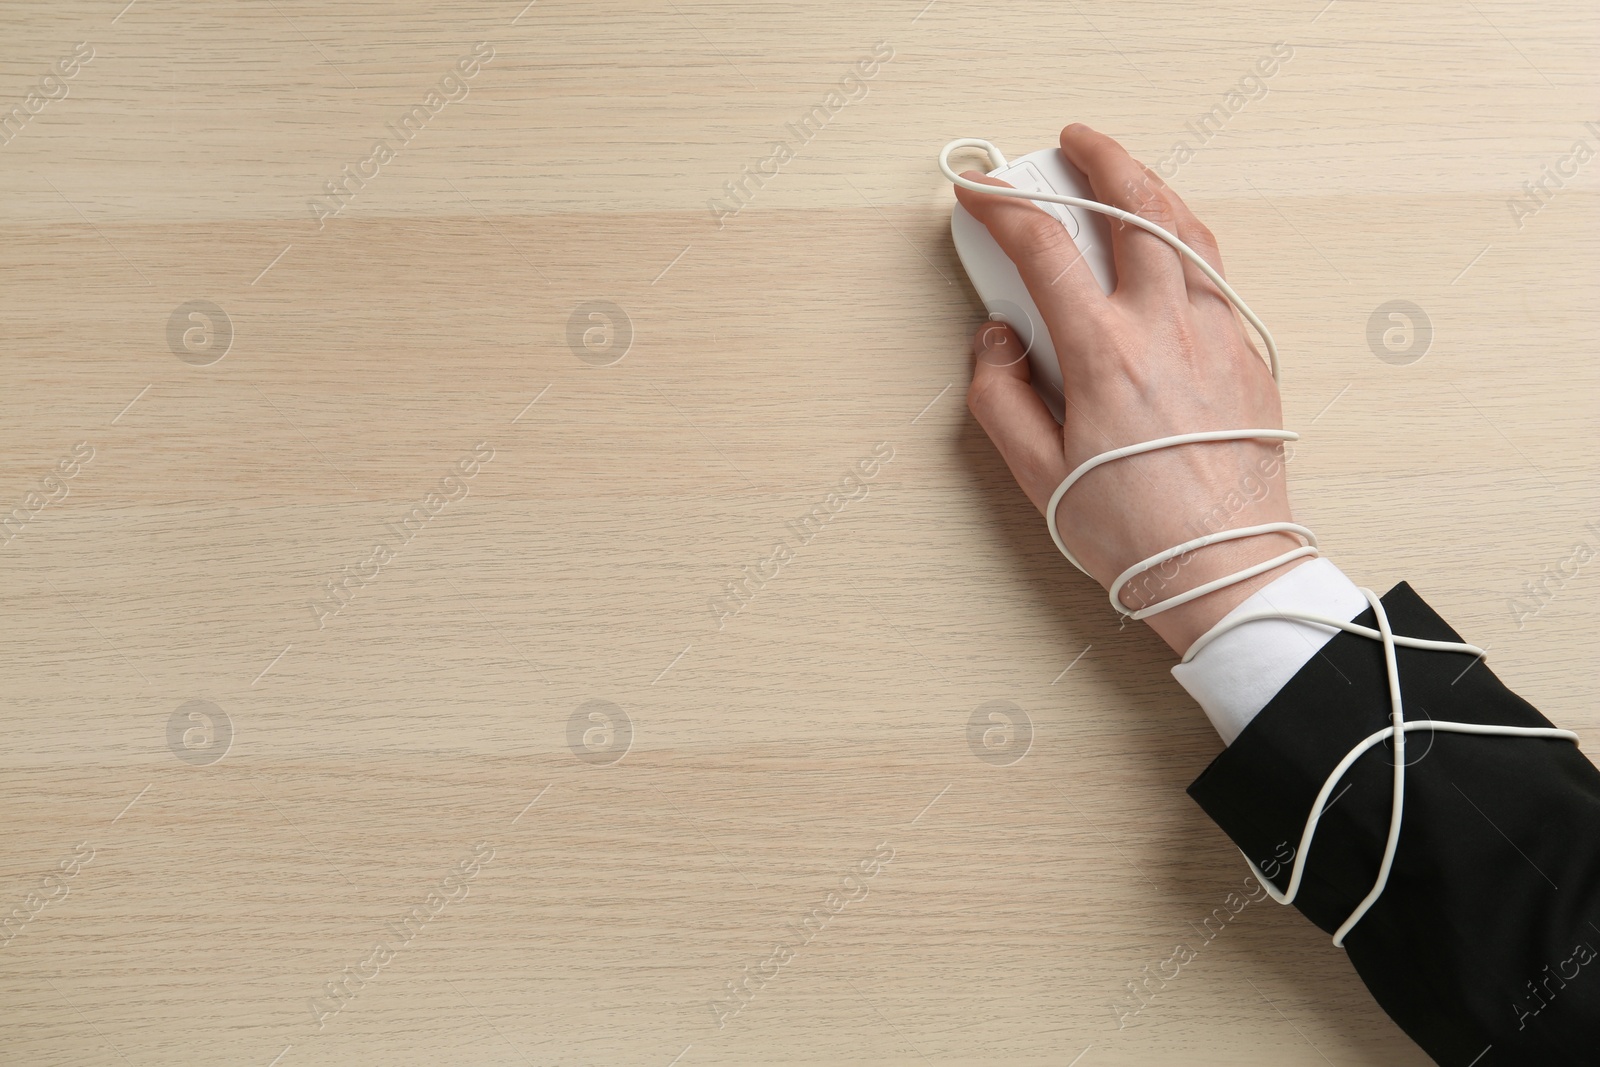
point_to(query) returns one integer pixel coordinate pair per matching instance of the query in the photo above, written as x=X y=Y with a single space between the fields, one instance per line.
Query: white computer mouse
x=995 y=277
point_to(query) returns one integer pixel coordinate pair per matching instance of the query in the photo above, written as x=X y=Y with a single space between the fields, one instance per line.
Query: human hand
x=1163 y=354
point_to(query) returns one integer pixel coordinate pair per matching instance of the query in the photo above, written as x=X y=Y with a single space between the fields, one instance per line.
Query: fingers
x=1011 y=413
x=1203 y=292
x=1049 y=261
x=1148 y=269
x=1187 y=226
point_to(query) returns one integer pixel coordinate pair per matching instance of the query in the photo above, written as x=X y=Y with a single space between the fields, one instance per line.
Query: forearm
x=1483 y=937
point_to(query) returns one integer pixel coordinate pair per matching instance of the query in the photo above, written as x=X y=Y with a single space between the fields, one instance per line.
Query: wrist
x=1180 y=626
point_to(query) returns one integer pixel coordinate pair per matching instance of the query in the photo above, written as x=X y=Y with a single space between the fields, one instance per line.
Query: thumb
x=1002 y=399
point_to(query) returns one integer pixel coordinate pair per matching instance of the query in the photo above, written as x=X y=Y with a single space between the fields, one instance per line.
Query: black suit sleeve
x=1483 y=947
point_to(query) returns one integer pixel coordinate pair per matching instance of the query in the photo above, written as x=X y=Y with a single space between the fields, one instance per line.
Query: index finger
x=1051 y=264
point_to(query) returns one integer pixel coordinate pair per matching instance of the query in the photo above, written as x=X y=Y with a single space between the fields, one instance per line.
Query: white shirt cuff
x=1235 y=675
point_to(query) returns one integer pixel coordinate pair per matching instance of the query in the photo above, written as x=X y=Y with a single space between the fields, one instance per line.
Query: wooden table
x=374 y=692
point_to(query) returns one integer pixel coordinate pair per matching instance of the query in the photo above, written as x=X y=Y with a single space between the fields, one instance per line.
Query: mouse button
x=1026 y=175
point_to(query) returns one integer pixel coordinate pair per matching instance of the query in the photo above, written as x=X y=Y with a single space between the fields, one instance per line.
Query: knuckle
x=1049 y=243
x=1139 y=191
x=1043 y=233
x=1159 y=210
x=1202 y=239
x=980 y=395
x=1104 y=150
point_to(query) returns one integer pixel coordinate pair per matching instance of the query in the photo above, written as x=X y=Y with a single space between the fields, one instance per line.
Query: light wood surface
x=823 y=729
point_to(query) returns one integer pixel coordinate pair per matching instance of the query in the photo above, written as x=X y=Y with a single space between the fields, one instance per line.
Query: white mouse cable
x=1398 y=727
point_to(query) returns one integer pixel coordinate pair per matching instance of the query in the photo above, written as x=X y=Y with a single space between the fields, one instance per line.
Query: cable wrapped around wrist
x=1305 y=550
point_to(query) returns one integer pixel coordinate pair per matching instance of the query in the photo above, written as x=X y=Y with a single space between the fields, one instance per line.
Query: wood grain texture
x=825 y=727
